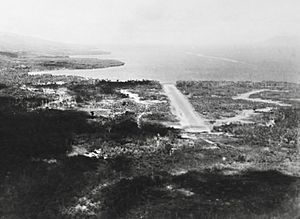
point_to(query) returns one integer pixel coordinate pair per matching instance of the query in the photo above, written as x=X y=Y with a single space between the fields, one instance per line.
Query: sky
x=192 y=22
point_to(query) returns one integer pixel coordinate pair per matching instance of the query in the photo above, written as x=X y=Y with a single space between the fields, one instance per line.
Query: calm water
x=172 y=64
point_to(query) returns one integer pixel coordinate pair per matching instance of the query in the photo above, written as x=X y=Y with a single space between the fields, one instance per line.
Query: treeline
x=11 y=104
x=54 y=63
x=9 y=54
x=87 y=91
x=125 y=126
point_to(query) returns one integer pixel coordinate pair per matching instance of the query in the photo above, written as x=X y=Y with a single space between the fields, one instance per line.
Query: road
x=246 y=96
x=189 y=119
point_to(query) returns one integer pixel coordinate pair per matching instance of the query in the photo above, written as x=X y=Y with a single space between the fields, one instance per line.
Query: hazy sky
x=151 y=21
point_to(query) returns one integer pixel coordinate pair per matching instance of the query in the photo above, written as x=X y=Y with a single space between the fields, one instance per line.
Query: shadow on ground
x=205 y=195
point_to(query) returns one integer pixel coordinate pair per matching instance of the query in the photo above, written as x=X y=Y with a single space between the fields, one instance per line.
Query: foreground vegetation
x=76 y=148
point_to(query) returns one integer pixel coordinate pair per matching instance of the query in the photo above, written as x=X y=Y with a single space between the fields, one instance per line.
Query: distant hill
x=19 y=43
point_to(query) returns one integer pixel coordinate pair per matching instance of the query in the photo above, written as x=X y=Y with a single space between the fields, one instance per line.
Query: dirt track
x=190 y=120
